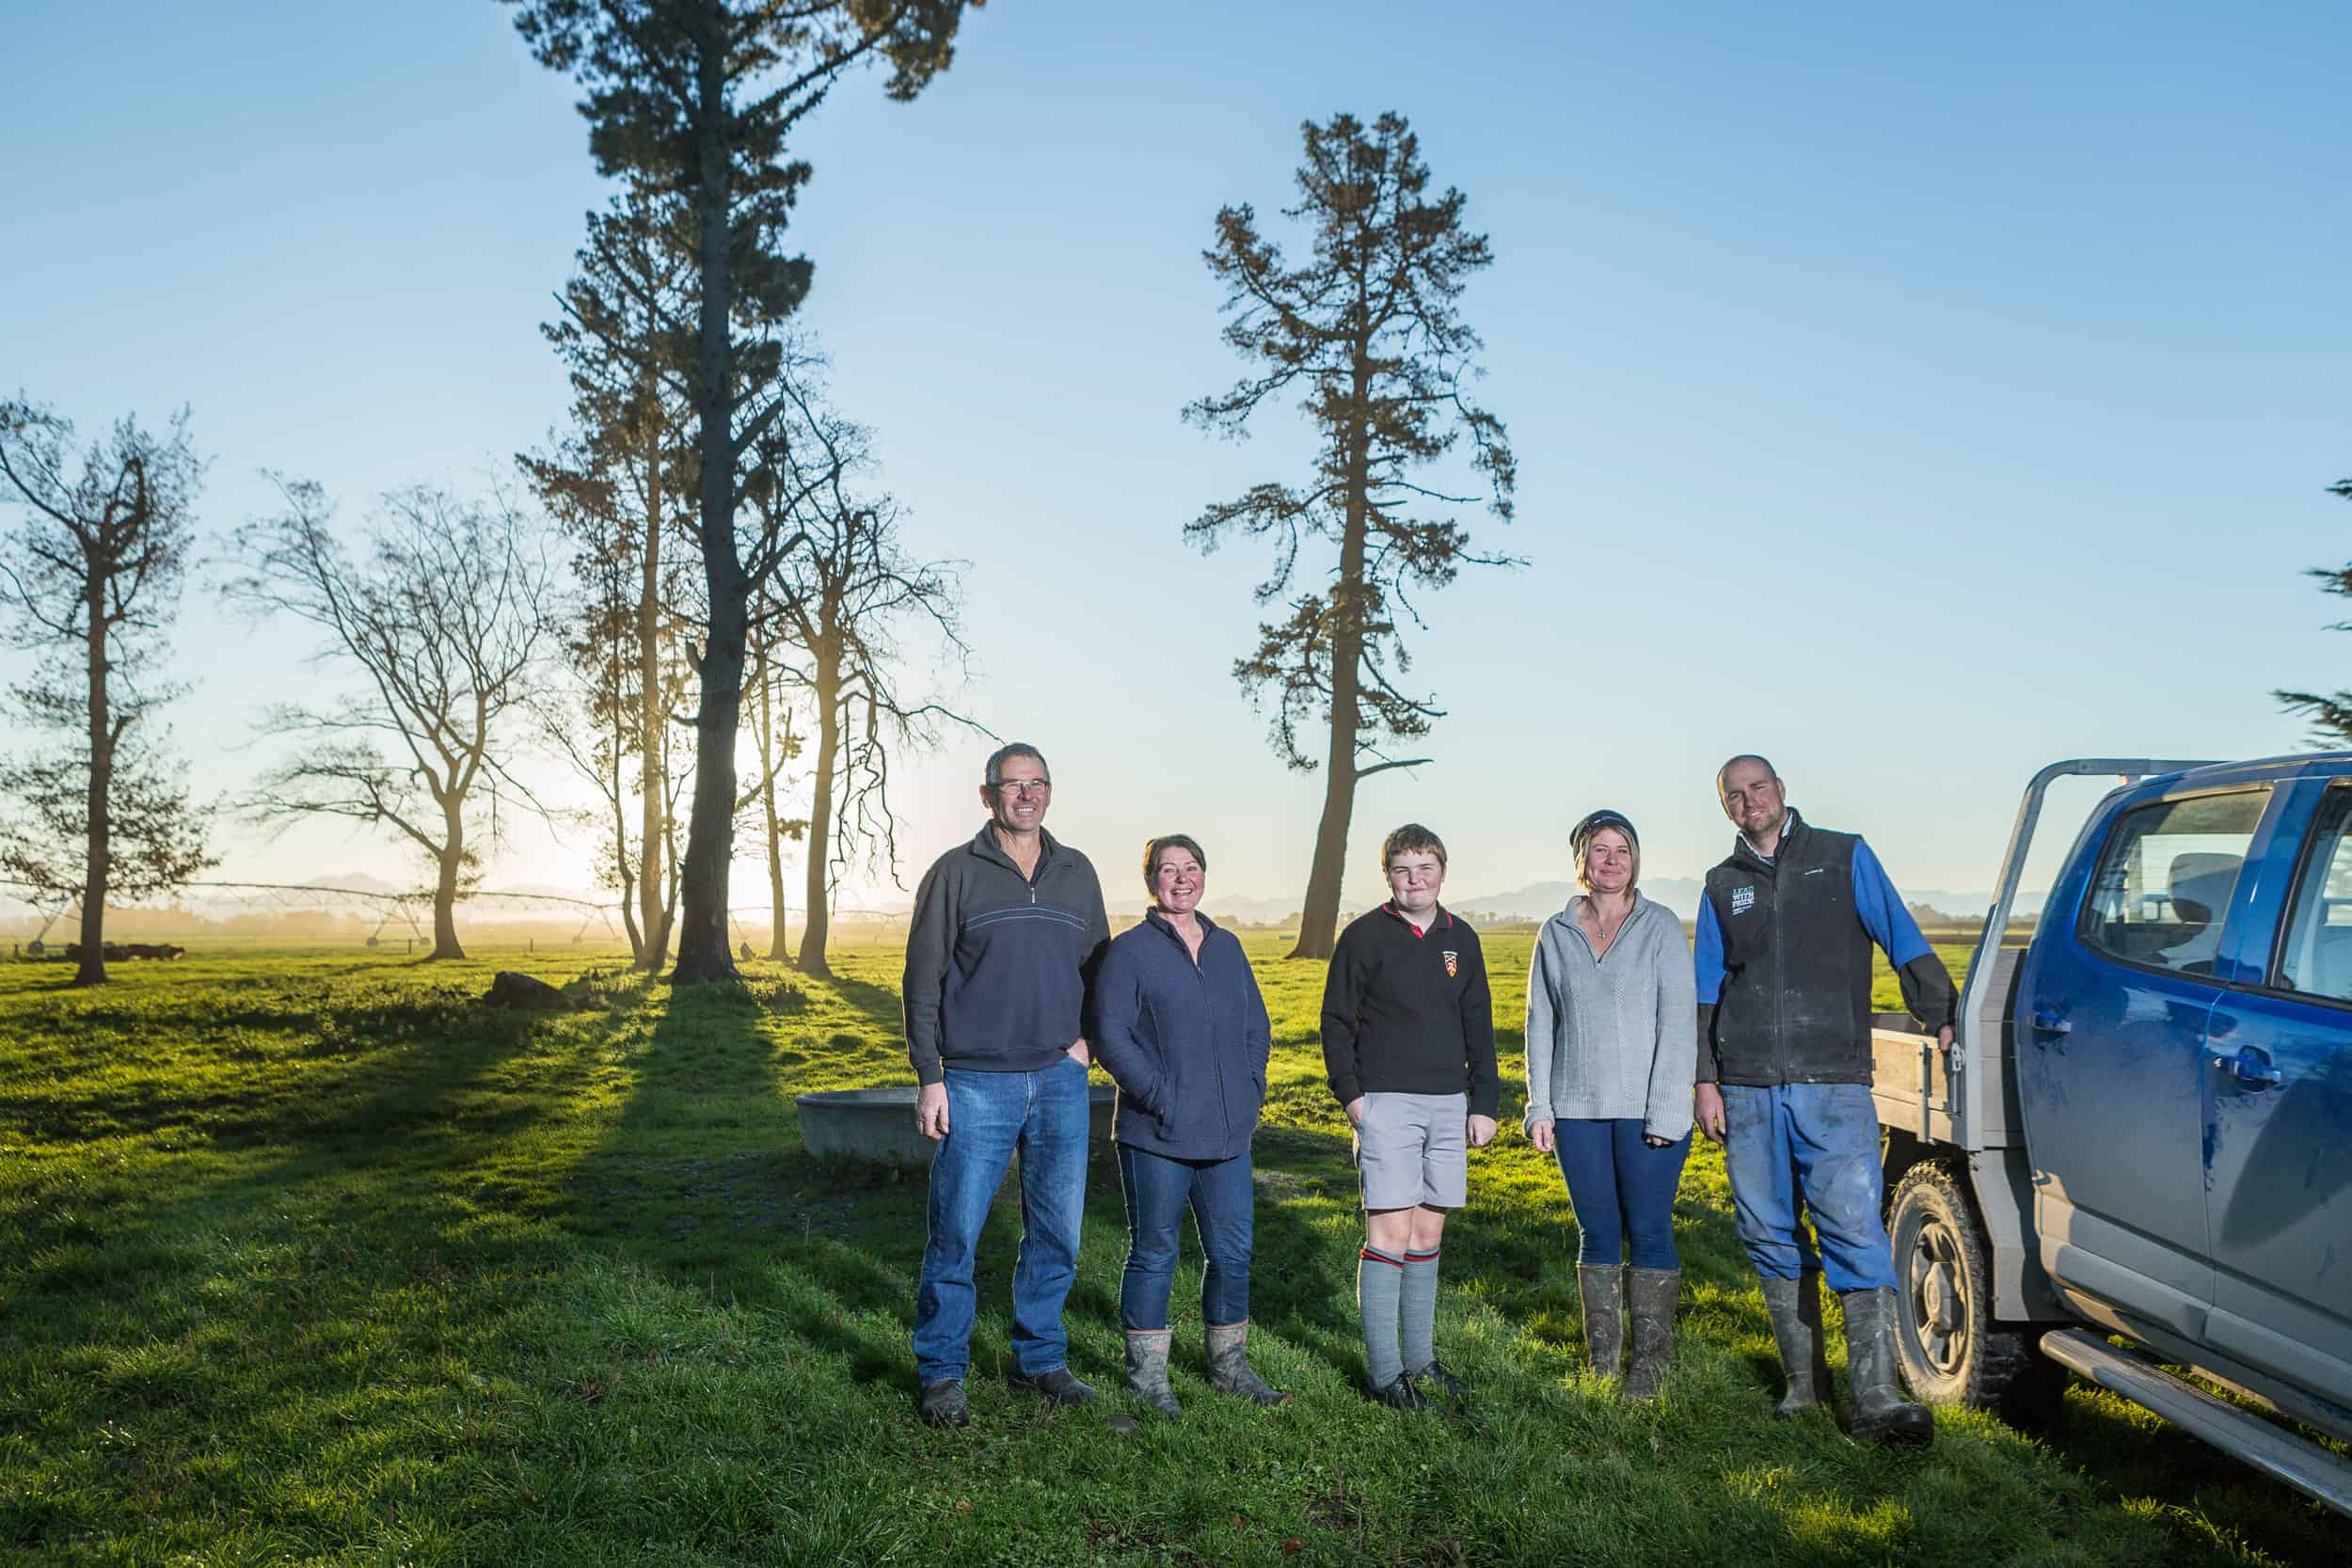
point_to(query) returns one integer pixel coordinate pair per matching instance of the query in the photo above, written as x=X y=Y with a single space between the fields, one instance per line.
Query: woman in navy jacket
x=1181 y=1026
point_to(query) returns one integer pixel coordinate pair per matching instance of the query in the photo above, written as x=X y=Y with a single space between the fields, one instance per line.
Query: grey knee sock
x=1417 y=1310
x=1379 y=1278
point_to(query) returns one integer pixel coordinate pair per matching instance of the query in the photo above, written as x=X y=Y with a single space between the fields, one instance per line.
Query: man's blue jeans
x=1043 y=1115
x=1817 y=1142
x=1223 y=1204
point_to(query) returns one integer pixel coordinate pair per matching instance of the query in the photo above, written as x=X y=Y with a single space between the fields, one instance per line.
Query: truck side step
x=2270 y=1448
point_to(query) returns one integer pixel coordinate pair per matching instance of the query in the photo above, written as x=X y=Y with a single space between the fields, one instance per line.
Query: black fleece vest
x=1795 y=1006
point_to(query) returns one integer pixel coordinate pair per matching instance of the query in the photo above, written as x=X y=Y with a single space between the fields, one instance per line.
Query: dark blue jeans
x=1043 y=1115
x=1623 y=1189
x=1222 y=1201
x=1817 y=1142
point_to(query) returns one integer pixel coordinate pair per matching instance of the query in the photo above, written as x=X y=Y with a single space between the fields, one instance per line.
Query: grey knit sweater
x=1617 y=1037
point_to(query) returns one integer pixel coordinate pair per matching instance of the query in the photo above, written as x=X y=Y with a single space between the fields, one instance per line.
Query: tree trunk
x=702 y=944
x=771 y=757
x=620 y=863
x=445 y=887
x=652 y=725
x=817 y=923
x=91 y=968
x=1319 y=917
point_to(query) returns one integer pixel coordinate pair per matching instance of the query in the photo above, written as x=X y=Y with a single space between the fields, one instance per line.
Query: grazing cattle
x=117 y=952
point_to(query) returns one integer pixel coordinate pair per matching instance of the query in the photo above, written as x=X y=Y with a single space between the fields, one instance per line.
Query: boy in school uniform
x=1408 y=1043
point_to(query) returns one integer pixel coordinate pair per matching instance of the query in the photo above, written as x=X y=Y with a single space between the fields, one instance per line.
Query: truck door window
x=2164 y=881
x=2316 y=956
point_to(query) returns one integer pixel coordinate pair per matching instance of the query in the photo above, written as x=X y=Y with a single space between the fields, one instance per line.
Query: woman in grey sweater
x=1611 y=1051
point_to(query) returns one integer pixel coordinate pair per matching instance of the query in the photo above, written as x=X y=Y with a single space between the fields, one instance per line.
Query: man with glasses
x=1007 y=931
x=1783 y=954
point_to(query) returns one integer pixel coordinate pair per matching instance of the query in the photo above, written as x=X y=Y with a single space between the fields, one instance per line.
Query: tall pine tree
x=695 y=99
x=623 y=486
x=2329 y=713
x=1366 y=333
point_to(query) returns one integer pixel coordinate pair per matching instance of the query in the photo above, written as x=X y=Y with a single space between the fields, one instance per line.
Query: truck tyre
x=1951 y=1349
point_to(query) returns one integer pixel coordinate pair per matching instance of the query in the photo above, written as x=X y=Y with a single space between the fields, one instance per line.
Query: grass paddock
x=308 y=1258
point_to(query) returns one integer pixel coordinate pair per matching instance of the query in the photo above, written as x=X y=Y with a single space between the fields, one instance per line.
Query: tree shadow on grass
x=242 y=1287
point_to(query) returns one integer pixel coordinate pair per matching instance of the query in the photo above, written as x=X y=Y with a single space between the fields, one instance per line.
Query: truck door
x=2110 y=1054
x=2278 y=1114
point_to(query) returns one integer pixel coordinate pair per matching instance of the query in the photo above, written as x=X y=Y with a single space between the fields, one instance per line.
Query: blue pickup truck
x=2144 y=1129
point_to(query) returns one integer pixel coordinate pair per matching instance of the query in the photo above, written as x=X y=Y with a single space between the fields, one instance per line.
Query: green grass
x=309 y=1259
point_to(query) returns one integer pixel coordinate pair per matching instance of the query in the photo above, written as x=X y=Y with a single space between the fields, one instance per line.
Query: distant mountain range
x=1541 y=899
x=1682 y=895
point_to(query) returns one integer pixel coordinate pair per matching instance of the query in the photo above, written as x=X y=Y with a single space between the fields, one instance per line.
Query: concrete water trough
x=879 y=1124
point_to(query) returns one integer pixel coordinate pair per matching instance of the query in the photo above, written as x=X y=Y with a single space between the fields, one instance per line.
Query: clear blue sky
x=1913 y=399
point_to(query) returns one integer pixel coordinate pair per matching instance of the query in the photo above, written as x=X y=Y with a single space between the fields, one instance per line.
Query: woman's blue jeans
x=1043 y=1115
x=1221 y=1198
x=1623 y=1189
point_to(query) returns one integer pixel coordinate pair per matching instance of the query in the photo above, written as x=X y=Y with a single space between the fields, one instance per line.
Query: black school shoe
x=1054 y=1387
x=1402 y=1394
x=1444 y=1384
x=943 y=1403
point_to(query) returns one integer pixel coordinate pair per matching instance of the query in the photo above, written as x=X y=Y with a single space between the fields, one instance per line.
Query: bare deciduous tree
x=841 y=598
x=775 y=748
x=612 y=721
x=93 y=574
x=441 y=616
x=590 y=723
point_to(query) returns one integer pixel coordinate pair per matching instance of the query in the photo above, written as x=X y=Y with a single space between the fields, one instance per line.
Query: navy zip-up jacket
x=1186 y=1043
x=997 y=963
x=1783 y=956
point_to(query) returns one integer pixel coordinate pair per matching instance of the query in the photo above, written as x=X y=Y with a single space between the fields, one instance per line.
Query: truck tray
x=1919 y=1091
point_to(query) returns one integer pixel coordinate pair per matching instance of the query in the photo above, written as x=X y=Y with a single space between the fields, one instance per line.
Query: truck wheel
x=1952 y=1350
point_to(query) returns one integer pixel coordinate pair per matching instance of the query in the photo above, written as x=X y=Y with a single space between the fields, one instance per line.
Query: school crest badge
x=1453 y=961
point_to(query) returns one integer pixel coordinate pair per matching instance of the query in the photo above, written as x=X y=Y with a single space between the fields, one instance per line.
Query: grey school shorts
x=1414 y=1149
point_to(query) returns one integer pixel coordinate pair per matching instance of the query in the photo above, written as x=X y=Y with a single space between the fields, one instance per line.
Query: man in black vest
x=1785 y=934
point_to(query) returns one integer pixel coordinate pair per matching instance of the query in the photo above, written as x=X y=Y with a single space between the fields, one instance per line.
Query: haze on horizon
x=1912 y=400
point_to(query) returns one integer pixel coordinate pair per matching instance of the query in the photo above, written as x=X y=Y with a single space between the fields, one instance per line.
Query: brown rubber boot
x=1228 y=1366
x=1650 y=1298
x=1147 y=1369
x=1603 y=1289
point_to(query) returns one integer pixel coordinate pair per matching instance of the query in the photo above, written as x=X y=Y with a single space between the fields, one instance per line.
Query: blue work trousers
x=989 y=1115
x=1223 y=1199
x=1623 y=1189
x=1818 y=1144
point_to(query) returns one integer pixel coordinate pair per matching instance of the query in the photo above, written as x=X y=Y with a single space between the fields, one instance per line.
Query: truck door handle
x=2250 y=1068
x=2047 y=1022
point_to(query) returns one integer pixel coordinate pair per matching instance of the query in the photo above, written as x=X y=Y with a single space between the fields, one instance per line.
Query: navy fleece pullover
x=997 y=964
